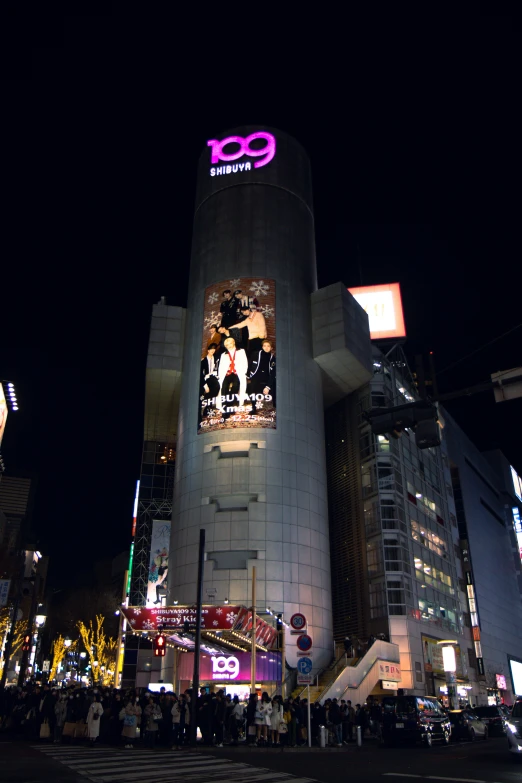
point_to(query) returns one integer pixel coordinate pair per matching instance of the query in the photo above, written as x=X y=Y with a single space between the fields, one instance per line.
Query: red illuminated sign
x=383 y=304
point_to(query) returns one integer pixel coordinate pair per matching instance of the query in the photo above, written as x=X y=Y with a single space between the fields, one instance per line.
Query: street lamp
x=67 y=642
x=449 y=662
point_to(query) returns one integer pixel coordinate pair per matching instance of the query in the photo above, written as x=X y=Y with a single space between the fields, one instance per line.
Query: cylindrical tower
x=250 y=465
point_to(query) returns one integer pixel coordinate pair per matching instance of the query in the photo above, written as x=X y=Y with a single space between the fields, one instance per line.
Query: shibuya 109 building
x=258 y=362
x=256 y=432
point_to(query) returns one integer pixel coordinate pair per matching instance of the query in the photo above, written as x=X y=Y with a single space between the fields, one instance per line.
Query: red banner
x=265 y=634
x=213 y=618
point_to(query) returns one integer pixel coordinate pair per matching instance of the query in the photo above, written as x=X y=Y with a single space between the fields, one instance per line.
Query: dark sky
x=413 y=134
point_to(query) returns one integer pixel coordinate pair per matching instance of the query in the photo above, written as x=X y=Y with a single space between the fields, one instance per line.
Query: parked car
x=414 y=718
x=494 y=719
x=466 y=725
x=514 y=729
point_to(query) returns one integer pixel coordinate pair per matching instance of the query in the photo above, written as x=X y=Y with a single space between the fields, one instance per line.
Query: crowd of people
x=115 y=717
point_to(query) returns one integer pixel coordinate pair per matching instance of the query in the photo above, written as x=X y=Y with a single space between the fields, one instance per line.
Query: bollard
x=359 y=736
x=322 y=736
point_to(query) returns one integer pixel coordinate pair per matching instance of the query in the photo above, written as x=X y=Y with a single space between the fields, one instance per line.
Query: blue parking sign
x=304 y=665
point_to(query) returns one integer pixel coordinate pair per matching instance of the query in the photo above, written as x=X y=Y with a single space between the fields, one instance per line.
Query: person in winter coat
x=335 y=718
x=236 y=719
x=153 y=715
x=276 y=719
x=131 y=715
x=60 y=711
x=180 y=719
x=263 y=716
x=291 y=722
x=251 y=718
x=219 y=709
x=93 y=719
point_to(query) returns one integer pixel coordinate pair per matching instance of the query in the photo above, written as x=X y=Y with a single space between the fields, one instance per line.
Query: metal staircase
x=326 y=677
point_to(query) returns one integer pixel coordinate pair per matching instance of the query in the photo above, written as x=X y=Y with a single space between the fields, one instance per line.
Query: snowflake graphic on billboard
x=215 y=622
x=219 y=611
x=259 y=404
x=231 y=618
x=137 y=610
x=211 y=319
x=267 y=311
x=235 y=283
x=213 y=298
x=260 y=288
x=149 y=625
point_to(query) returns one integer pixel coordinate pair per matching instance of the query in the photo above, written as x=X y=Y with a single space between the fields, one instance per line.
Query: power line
x=494 y=340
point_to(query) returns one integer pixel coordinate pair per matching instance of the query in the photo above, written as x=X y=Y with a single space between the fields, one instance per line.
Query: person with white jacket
x=93 y=719
x=236 y=719
x=276 y=719
x=263 y=716
x=232 y=372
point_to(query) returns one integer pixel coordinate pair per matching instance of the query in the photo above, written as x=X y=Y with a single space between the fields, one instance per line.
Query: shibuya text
x=216 y=171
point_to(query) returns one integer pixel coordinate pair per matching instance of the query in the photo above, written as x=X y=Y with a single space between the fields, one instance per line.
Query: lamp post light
x=67 y=642
x=449 y=662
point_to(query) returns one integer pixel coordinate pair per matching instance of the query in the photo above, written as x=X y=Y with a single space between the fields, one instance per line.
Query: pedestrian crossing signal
x=159 y=646
x=26 y=645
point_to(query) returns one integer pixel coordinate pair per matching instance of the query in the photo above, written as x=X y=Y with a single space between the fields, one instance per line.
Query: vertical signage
x=237 y=382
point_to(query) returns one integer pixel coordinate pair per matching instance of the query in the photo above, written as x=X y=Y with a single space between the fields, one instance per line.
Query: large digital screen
x=158 y=562
x=237 y=384
x=516 y=676
x=383 y=304
x=3 y=412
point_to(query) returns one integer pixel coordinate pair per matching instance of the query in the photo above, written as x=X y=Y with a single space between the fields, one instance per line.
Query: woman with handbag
x=153 y=715
x=277 y=722
x=131 y=715
x=263 y=717
x=93 y=719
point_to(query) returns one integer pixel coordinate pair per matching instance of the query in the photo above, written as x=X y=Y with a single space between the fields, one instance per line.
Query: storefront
x=435 y=675
x=231 y=672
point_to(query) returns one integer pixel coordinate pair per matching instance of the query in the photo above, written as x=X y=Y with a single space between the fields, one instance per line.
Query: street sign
x=298 y=621
x=300 y=653
x=304 y=679
x=4 y=591
x=304 y=666
x=304 y=642
x=46 y=666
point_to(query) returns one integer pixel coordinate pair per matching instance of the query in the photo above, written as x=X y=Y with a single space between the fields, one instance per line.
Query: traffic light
x=159 y=646
x=26 y=644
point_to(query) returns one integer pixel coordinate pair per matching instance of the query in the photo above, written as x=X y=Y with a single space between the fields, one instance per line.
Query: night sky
x=412 y=130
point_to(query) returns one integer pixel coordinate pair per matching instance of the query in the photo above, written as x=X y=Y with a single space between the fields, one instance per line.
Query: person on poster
x=232 y=372
x=215 y=337
x=256 y=325
x=240 y=337
x=229 y=309
x=245 y=300
x=208 y=381
x=262 y=374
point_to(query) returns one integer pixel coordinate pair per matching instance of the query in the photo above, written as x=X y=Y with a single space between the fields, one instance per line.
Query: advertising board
x=3 y=412
x=158 y=562
x=383 y=304
x=215 y=618
x=234 y=667
x=237 y=384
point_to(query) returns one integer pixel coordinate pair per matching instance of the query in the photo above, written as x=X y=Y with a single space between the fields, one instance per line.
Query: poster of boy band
x=237 y=385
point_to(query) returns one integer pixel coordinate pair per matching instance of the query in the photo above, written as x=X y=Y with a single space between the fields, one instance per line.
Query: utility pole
x=197 y=647
x=253 y=648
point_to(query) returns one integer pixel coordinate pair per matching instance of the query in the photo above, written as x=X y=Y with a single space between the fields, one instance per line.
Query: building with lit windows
x=396 y=565
x=487 y=508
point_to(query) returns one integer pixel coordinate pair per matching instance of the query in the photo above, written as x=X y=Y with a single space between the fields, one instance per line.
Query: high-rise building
x=250 y=458
x=488 y=513
x=396 y=567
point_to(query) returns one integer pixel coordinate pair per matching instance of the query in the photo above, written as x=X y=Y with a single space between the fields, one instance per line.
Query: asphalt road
x=480 y=762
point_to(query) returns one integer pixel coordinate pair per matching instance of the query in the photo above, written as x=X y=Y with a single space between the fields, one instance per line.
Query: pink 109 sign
x=241 y=147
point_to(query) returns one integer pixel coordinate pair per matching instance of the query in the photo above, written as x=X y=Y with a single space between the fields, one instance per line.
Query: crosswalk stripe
x=118 y=765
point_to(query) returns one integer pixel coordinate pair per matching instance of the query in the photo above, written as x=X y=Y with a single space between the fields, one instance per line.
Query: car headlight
x=512 y=727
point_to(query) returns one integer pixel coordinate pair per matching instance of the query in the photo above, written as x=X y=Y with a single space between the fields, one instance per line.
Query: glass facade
x=407 y=523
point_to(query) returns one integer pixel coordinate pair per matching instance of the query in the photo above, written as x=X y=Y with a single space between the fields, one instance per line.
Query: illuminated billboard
x=158 y=562
x=237 y=383
x=516 y=676
x=3 y=412
x=517 y=482
x=383 y=304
